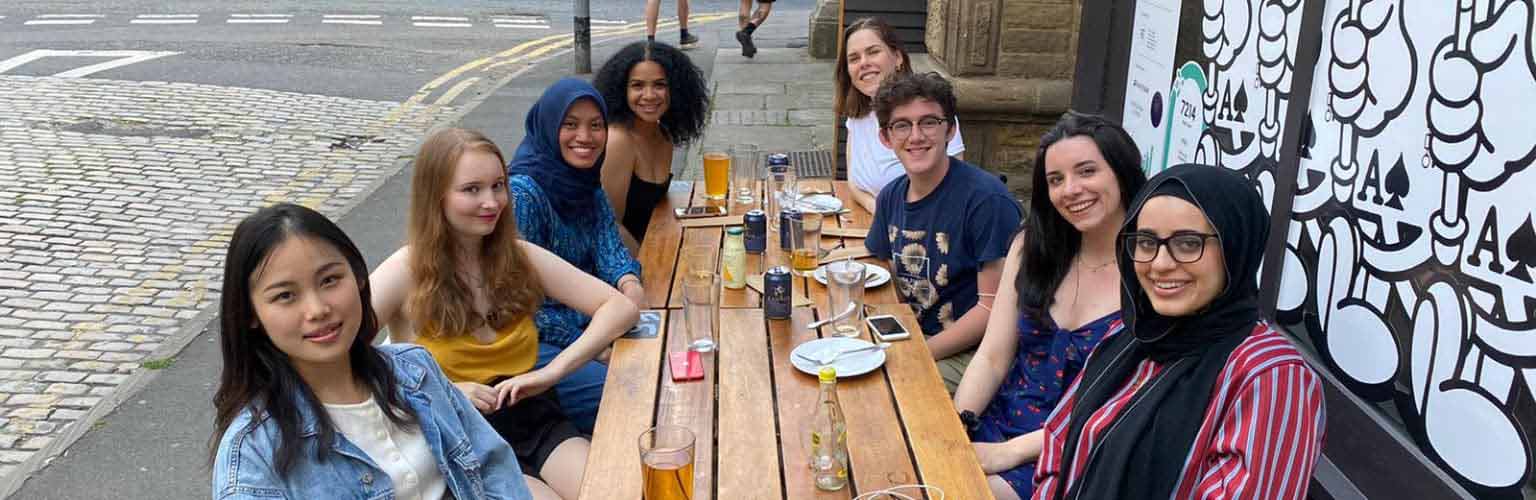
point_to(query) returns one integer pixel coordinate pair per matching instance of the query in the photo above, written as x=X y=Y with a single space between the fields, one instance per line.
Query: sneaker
x=748 y=49
x=688 y=41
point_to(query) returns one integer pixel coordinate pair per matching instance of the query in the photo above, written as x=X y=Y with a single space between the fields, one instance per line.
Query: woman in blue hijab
x=555 y=183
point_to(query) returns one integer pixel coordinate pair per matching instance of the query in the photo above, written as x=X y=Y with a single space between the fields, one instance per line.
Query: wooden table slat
x=690 y=404
x=749 y=461
x=709 y=237
x=877 y=445
x=658 y=255
x=939 y=442
x=613 y=464
x=795 y=393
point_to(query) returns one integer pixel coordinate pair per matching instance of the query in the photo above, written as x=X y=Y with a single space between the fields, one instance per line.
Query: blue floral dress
x=1048 y=359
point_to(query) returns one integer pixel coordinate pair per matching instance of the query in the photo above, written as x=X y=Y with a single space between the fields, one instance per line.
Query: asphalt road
x=154 y=443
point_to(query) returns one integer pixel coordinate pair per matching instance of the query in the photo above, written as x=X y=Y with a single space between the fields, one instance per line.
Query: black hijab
x=1142 y=453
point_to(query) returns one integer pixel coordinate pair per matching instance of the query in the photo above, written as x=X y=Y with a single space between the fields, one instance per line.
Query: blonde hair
x=442 y=304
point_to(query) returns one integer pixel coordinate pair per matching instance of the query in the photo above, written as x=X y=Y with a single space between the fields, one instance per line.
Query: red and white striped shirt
x=1260 y=438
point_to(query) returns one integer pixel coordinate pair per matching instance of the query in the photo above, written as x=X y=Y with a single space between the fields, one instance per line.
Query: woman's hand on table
x=481 y=395
x=527 y=385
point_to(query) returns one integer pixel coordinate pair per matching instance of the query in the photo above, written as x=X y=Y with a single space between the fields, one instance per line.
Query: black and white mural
x=1411 y=248
x=1410 y=256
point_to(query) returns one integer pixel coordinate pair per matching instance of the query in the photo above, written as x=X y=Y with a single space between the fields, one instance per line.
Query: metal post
x=583 y=28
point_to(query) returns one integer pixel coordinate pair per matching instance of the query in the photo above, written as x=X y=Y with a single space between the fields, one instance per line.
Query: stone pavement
x=116 y=201
x=780 y=100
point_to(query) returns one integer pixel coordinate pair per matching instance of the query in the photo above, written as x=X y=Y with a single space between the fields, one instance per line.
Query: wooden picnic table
x=750 y=414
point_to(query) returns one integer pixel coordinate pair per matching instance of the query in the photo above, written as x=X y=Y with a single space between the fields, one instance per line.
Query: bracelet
x=628 y=278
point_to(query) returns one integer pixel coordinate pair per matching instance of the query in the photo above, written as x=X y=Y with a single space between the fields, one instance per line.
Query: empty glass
x=701 y=310
x=845 y=283
x=744 y=172
x=701 y=296
x=781 y=181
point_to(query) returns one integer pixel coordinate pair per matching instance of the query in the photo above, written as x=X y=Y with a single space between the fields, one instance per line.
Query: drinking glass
x=744 y=172
x=701 y=310
x=717 y=174
x=701 y=296
x=780 y=182
x=805 y=243
x=666 y=463
x=845 y=279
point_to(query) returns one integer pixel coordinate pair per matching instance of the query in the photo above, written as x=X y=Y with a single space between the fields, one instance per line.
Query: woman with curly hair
x=467 y=288
x=656 y=102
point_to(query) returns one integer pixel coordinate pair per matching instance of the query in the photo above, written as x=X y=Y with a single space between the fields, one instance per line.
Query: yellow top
x=464 y=359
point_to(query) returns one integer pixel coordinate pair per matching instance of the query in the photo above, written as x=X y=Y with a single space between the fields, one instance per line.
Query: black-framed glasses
x=900 y=130
x=1185 y=248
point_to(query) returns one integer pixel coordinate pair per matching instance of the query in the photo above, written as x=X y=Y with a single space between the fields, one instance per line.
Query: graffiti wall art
x=1410 y=253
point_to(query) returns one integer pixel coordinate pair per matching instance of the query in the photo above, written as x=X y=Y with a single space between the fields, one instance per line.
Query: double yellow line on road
x=494 y=67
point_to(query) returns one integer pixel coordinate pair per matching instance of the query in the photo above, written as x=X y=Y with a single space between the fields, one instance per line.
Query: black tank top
x=641 y=201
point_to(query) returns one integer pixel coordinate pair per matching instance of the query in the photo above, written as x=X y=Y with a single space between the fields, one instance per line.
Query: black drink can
x=786 y=239
x=757 y=231
x=777 y=287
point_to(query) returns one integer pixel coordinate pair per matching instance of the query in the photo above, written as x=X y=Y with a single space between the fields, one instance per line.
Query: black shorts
x=534 y=427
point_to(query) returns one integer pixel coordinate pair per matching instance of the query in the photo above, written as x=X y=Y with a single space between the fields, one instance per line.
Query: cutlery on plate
x=829 y=358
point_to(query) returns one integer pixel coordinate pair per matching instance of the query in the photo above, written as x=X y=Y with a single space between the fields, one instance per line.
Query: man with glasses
x=945 y=226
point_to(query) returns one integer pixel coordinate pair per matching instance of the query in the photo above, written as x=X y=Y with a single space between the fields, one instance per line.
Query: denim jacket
x=474 y=460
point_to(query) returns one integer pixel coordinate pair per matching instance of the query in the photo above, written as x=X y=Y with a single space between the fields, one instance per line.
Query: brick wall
x=1039 y=39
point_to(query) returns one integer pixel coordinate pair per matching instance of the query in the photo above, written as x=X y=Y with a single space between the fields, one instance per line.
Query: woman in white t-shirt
x=871 y=53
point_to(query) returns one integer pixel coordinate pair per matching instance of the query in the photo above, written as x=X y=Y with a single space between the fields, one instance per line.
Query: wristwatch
x=969 y=420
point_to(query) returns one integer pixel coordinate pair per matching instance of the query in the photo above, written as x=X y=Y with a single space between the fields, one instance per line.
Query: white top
x=401 y=452
x=871 y=165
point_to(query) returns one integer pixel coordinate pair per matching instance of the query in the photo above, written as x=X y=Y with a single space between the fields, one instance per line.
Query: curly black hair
x=688 y=98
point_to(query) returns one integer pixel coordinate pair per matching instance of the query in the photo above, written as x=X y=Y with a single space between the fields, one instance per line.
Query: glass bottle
x=733 y=259
x=829 y=437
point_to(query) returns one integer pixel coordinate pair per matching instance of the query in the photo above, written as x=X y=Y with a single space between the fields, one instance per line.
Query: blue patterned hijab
x=572 y=191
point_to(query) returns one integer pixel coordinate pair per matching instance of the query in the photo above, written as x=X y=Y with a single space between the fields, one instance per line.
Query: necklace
x=1083 y=268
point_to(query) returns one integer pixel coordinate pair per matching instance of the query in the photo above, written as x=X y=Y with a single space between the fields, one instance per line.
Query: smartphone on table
x=697 y=212
x=887 y=328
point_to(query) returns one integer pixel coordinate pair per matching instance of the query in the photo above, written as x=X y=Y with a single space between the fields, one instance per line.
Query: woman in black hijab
x=1198 y=397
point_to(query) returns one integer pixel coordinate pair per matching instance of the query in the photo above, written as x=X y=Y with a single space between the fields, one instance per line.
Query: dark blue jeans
x=578 y=392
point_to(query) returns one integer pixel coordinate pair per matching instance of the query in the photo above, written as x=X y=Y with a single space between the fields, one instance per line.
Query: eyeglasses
x=1185 y=248
x=930 y=125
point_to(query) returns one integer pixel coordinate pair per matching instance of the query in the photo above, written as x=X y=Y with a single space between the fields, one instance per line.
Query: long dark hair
x=849 y=102
x=256 y=374
x=687 y=96
x=1050 y=242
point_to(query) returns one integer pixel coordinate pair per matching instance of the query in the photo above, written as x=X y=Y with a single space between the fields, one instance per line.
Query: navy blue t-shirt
x=936 y=245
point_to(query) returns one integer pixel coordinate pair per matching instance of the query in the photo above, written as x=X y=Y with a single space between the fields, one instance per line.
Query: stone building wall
x=1012 y=63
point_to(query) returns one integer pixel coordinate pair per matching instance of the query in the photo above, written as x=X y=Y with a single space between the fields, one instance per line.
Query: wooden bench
x=750 y=414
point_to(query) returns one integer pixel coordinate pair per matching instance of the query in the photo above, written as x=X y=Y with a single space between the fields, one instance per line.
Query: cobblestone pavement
x=116 y=202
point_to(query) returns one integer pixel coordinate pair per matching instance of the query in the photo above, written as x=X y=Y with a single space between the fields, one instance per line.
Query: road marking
x=259 y=18
x=124 y=58
x=69 y=16
x=438 y=18
x=519 y=20
x=524 y=26
x=453 y=92
x=606 y=21
x=35 y=22
x=352 y=16
x=165 y=19
x=441 y=25
x=351 y=21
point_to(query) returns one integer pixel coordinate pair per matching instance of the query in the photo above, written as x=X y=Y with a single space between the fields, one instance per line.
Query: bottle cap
x=828 y=374
x=733 y=230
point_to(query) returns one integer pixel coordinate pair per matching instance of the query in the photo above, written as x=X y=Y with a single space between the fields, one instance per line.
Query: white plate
x=820 y=203
x=850 y=365
x=882 y=276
